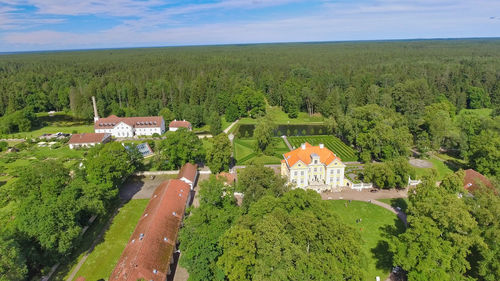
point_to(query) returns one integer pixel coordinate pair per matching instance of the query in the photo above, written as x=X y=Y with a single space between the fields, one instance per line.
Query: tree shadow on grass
x=382 y=253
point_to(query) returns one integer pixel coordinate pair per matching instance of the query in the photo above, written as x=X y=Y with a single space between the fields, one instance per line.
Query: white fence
x=360 y=186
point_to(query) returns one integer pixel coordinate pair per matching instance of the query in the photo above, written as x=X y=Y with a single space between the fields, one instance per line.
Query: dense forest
x=383 y=98
x=193 y=81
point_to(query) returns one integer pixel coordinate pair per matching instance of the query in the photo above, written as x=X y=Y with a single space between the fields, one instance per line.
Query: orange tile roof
x=326 y=156
x=88 y=138
x=135 y=122
x=151 y=245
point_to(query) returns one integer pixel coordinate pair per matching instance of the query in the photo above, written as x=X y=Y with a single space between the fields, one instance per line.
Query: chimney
x=96 y=115
x=321 y=145
x=303 y=146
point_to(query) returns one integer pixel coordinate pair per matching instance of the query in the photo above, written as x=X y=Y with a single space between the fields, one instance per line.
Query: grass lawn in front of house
x=376 y=226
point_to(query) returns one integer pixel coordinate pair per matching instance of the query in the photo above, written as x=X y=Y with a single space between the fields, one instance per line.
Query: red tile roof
x=151 y=245
x=179 y=124
x=473 y=179
x=80 y=279
x=135 y=122
x=188 y=171
x=326 y=156
x=88 y=138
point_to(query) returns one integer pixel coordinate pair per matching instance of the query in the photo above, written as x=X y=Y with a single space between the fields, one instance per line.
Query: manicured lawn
x=244 y=152
x=439 y=166
x=374 y=228
x=333 y=143
x=68 y=129
x=280 y=117
x=101 y=262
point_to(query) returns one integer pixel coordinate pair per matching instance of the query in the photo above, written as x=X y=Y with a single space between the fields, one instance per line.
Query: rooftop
x=179 y=124
x=188 y=171
x=136 y=122
x=148 y=252
x=473 y=180
x=305 y=152
x=88 y=138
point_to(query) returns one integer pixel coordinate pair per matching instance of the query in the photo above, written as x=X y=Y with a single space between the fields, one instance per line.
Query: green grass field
x=68 y=129
x=440 y=167
x=346 y=153
x=280 y=117
x=376 y=226
x=244 y=152
x=101 y=262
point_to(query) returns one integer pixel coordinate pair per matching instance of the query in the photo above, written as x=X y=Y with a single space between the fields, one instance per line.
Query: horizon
x=48 y=25
x=250 y=44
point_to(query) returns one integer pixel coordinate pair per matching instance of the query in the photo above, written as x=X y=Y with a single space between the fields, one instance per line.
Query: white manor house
x=313 y=167
x=123 y=127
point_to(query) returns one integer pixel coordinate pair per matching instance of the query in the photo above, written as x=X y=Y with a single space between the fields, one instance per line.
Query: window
x=331 y=179
x=295 y=173
x=315 y=169
x=301 y=173
x=315 y=161
x=338 y=171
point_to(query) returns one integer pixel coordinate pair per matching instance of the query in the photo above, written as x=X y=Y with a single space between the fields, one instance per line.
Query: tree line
x=45 y=208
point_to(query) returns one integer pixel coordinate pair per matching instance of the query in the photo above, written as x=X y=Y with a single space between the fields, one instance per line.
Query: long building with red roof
x=121 y=127
x=314 y=167
x=149 y=252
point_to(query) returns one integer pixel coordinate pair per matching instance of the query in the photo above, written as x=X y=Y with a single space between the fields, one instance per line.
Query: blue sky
x=80 y=24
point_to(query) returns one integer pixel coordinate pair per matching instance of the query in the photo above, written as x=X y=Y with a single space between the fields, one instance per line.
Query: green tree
x=477 y=98
x=440 y=235
x=181 y=147
x=291 y=238
x=485 y=152
x=203 y=229
x=263 y=134
x=238 y=260
x=257 y=181
x=12 y=262
x=219 y=154
x=167 y=115
x=49 y=208
x=215 y=123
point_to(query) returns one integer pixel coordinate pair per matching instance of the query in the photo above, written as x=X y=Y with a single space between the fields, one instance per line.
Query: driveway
x=141 y=187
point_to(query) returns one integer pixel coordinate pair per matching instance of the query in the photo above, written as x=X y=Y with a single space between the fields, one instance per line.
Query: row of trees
x=450 y=237
x=276 y=234
x=48 y=205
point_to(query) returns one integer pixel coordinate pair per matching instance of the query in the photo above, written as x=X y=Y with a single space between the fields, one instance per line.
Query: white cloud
x=380 y=19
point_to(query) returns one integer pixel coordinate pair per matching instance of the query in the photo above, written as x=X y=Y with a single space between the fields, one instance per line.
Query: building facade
x=88 y=139
x=123 y=127
x=314 y=167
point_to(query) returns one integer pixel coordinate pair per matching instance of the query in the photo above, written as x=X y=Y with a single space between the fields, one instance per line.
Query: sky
x=27 y=25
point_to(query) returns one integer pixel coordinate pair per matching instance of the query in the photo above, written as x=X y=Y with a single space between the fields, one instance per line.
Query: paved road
x=230 y=126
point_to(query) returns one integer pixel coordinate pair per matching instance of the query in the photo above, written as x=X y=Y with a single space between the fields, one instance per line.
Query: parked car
x=374 y=190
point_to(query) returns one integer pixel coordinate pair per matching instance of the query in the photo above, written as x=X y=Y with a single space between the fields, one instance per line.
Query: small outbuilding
x=474 y=179
x=177 y=124
x=88 y=139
